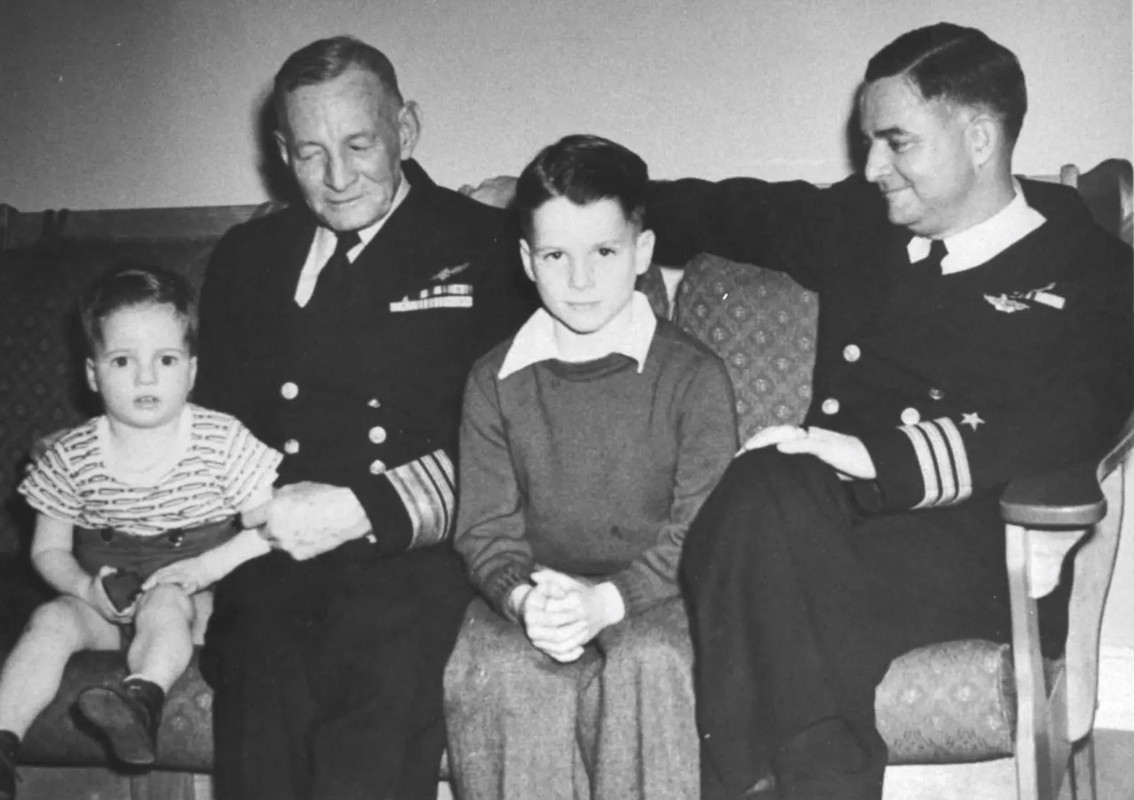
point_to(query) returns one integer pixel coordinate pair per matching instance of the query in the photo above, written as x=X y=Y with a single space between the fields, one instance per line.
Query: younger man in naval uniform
x=973 y=327
x=341 y=332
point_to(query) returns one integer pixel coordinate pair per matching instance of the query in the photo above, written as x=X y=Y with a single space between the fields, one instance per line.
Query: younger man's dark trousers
x=799 y=602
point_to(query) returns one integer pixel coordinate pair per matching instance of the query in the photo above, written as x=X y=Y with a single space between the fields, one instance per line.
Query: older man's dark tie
x=332 y=287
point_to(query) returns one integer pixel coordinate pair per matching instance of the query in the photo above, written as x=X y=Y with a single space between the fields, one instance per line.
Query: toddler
x=137 y=515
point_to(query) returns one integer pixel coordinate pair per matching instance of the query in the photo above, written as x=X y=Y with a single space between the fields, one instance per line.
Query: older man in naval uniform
x=340 y=331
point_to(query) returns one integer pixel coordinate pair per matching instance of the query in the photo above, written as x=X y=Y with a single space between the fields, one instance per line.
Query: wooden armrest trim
x=1067 y=498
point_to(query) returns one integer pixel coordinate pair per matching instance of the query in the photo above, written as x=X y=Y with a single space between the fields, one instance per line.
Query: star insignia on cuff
x=972 y=420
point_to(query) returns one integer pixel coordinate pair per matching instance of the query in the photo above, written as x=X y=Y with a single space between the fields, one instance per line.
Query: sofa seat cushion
x=762 y=324
x=60 y=738
x=941 y=703
x=949 y=702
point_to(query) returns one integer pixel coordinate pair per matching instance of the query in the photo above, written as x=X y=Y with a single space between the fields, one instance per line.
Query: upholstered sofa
x=946 y=703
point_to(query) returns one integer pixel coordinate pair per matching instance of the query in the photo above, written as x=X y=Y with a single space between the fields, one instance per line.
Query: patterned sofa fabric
x=762 y=323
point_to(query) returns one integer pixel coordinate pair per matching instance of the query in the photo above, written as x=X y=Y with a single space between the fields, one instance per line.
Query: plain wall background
x=135 y=103
x=145 y=103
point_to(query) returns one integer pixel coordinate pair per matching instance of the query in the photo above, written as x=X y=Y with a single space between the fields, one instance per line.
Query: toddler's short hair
x=127 y=284
x=583 y=168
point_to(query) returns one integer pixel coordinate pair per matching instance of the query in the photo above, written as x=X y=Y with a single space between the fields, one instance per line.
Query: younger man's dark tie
x=930 y=266
x=333 y=284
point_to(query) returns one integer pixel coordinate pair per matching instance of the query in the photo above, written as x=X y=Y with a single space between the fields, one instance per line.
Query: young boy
x=135 y=518
x=588 y=443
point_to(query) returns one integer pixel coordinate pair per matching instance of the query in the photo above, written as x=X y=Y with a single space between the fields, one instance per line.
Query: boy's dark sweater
x=591 y=468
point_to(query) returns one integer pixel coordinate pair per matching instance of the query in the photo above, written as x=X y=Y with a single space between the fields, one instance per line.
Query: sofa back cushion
x=762 y=324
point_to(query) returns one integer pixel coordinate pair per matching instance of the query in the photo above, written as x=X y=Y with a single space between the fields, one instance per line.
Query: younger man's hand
x=846 y=454
x=497 y=192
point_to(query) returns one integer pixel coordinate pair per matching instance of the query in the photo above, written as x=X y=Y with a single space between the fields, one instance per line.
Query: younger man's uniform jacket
x=955 y=383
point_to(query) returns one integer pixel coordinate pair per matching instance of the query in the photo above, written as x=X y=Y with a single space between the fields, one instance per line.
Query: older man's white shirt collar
x=628 y=334
x=977 y=245
x=323 y=247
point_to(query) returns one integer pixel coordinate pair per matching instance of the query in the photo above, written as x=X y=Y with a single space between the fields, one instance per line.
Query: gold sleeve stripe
x=960 y=459
x=427 y=489
x=925 y=461
x=940 y=452
x=946 y=480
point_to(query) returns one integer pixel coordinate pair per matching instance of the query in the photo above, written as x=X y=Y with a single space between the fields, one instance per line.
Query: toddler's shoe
x=128 y=715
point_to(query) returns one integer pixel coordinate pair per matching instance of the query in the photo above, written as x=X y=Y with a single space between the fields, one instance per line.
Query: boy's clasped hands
x=561 y=614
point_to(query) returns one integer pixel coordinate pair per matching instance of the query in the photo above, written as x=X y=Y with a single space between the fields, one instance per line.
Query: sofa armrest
x=1068 y=498
x=1059 y=508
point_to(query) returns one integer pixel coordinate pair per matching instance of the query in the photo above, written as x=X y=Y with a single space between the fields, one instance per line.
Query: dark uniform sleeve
x=220 y=376
x=790 y=227
x=1070 y=412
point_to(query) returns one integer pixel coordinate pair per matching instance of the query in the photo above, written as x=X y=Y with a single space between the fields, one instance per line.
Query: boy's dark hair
x=126 y=285
x=959 y=65
x=583 y=168
x=326 y=59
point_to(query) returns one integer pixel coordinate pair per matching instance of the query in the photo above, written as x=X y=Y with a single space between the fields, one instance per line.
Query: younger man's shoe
x=9 y=743
x=128 y=716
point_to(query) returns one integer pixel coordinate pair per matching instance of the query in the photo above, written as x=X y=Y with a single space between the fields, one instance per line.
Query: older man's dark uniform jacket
x=360 y=388
x=955 y=383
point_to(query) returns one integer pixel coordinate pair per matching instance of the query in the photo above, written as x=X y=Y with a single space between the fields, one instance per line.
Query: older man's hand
x=307 y=519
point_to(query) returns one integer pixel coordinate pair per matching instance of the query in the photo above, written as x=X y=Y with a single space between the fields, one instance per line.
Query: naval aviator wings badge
x=1006 y=304
x=1011 y=302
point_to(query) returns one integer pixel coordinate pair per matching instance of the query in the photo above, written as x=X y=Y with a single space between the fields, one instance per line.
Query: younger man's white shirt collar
x=535 y=341
x=325 y=241
x=978 y=244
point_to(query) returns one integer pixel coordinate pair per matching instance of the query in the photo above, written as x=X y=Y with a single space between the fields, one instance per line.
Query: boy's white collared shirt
x=325 y=241
x=629 y=334
x=977 y=245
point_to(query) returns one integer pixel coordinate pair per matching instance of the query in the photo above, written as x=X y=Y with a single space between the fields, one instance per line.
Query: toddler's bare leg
x=33 y=671
x=163 y=641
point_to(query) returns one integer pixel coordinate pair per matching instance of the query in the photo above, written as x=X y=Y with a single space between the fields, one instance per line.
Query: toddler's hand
x=255 y=517
x=192 y=575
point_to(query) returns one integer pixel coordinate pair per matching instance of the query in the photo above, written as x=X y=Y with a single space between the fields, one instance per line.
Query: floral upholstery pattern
x=948 y=702
x=762 y=324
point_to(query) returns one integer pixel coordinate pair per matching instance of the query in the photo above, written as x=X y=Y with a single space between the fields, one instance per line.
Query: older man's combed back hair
x=959 y=65
x=583 y=168
x=326 y=59
x=127 y=285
